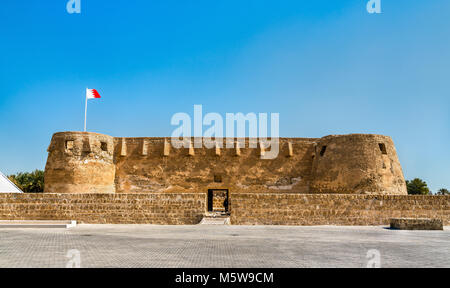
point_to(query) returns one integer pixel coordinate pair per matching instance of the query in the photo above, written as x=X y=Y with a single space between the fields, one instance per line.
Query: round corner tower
x=357 y=163
x=80 y=162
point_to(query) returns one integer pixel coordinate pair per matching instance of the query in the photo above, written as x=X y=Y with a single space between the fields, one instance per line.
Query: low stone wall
x=332 y=209
x=416 y=224
x=246 y=208
x=151 y=208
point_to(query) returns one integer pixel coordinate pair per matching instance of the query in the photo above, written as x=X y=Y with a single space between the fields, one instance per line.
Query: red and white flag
x=92 y=94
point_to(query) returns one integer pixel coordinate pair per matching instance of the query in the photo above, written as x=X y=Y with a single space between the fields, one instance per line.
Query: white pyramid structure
x=6 y=186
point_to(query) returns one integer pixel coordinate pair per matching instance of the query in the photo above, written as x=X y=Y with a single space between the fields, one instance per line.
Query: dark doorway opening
x=382 y=148
x=218 y=200
x=322 y=151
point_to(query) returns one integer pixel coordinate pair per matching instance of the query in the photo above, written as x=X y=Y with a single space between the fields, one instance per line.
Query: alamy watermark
x=374 y=6
x=73 y=6
x=74 y=256
x=234 y=126
x=373 y=258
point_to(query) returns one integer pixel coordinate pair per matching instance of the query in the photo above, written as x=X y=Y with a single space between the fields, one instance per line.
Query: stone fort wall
x=335 y=180
x=247 y=209
x=81 y=162
x=332 y=209
x=102 y=208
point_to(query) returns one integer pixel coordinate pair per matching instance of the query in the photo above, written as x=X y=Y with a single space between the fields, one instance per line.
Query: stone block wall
x=246 y=208
x=416 y=224
x=334 y=209
x=148 y=208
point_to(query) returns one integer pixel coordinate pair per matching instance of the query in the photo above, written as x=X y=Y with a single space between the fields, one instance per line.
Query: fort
x=80 y=162
x=351 y=179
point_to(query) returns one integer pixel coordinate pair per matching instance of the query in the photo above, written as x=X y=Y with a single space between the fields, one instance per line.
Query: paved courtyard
x=222 y=246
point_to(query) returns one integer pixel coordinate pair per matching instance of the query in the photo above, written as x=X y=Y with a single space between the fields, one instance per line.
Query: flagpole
x=85 y=111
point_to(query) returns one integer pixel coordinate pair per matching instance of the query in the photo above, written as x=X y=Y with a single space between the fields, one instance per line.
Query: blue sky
x=328 y=67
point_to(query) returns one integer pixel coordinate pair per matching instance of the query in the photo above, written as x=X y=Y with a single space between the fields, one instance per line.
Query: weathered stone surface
x=349 y=164
x=246 y=208
x=80 y=162
x=149 y=208
x=416 y=224
x=362 y=164
x=333 y=209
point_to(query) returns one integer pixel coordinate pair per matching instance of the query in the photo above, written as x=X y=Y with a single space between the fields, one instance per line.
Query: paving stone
x=223 y=246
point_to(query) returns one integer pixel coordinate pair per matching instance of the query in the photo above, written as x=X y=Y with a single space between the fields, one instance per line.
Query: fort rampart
x=247 y=209
x=335 y=180
x=80 y=162
x=332 y=209
x=101 y=208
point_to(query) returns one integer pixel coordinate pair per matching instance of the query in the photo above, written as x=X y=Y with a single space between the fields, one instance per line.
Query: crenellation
x=123 y=147
x=237 y=148
x=191 y=149
x=144 y=148
x=217 y=147
x=290 y=150
x=86 y=145
x=262 y=149
x=166 y=148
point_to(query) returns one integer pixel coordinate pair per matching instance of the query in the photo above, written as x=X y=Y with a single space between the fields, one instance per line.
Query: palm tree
x=417 y=187
x=443 y=191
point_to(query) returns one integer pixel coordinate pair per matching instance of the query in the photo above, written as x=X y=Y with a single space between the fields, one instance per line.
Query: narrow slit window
x=322 y=151
x=69 y=145
x=218 y=178
x=382 y=148
x=104 y=146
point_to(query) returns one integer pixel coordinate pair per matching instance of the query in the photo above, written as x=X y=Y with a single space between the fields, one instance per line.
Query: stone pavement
x=222 y=246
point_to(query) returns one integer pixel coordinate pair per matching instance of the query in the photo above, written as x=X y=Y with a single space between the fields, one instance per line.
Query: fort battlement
x=84 y=162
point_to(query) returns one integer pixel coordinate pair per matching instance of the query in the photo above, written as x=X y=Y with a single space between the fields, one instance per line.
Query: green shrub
x=417 y=187
x=29 y=182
